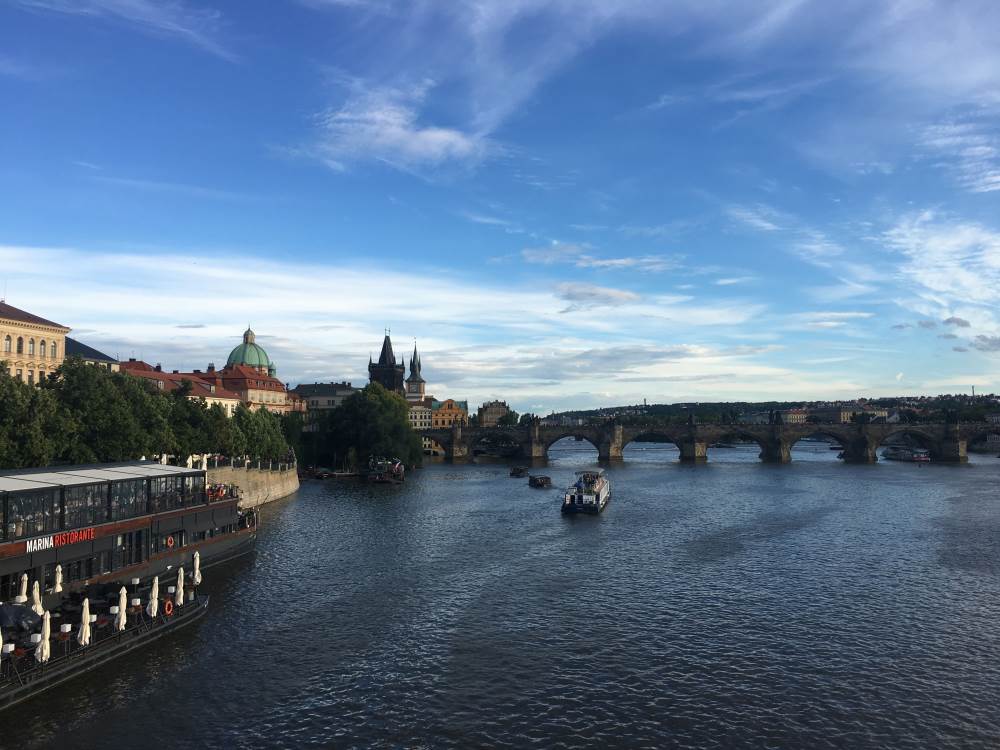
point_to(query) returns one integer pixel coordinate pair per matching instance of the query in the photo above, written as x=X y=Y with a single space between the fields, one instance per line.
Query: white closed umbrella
x=179 y=594
x=43 y=649
x=122 y=603
x=83 y=634
x=154 y=598
x=58 y=587
x=196 y=576
x=22 y=594
x=36 y=600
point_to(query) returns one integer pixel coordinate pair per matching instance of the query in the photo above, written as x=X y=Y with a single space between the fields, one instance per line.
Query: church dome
x=249 y=353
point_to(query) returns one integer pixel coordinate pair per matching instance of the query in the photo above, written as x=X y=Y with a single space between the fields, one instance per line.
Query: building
x=251 y=374
x=794 y=416
x=492 y=412
x=387 y=372
x=169 y=382
x=446 y=413
x=848 y=414
x=415 y=384
x=320 y=398
x=31 y=346
x=90 y=355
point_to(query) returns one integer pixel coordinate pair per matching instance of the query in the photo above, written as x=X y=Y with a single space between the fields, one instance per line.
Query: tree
x=526 y=419
x=370 y=423
x=508 y=420
x=33 y=429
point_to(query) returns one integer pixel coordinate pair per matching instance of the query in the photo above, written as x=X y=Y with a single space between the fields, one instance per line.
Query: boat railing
x=21 y=669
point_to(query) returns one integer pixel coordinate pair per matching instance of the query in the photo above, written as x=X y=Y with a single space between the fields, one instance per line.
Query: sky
x=565 y=203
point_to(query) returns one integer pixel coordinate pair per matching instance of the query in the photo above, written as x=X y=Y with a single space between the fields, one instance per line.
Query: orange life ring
x=168 y=607
x=170 y=542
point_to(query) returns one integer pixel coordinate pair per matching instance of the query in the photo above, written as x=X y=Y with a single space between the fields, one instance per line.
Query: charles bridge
x=944 y=441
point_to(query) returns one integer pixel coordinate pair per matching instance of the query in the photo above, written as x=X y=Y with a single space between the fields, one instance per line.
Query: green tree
x=509 y=419
x=371 y=423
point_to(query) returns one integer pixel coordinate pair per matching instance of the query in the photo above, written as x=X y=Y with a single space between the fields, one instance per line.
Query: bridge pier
x=861 y=451
x=776 y=451
x=951 y=451
x=611 y=444
x=693 y=451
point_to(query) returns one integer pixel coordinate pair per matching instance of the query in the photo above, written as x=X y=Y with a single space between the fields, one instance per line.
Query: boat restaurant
x=95 y=521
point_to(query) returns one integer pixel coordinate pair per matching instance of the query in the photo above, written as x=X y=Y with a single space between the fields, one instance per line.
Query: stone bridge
x=945 y=441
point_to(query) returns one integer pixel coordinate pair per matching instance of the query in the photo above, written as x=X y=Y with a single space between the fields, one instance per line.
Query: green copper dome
x=249 y=353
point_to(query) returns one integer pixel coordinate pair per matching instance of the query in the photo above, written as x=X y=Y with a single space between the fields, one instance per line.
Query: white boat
x=589 y=494
x=903 y=453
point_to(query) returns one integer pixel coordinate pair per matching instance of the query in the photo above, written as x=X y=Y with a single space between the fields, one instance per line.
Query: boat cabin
x=97 y=520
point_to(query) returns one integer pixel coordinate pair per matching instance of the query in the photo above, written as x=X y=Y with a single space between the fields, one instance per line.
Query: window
x=32 y=513
x=52 y=350
x=31 y=347
x=41 y=349
x=85 y=505
x=7 y=345
x=20 y=345
x=128 y=498
x=31 y=377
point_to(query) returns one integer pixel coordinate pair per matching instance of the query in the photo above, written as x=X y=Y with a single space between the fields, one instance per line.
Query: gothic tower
x=386 y=372
x=415 y=384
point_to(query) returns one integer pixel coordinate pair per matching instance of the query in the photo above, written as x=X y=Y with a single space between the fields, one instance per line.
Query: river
x=814 y=605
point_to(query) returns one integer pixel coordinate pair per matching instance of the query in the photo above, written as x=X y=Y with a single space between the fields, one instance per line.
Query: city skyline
x=567 y=205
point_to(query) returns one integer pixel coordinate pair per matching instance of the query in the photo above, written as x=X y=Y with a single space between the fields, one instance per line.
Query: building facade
x=446 y=413
x=386 y=372
x=31 y=346
x=320 y=398
x=490 y=413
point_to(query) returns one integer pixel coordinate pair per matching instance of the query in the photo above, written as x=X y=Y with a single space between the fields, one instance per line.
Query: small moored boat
x=386 y=471
x=589 y=494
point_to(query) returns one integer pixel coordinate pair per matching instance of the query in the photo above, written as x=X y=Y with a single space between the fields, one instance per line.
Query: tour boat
x=589 y=494
x=903 y=453
x=386 y=471
x=539 y=481
x=112 y=523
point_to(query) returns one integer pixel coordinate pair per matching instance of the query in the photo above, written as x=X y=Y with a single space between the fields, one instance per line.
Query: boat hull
x=59 y=670
x=572 y=509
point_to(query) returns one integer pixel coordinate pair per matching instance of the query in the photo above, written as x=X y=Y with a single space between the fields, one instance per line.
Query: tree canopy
x=370 y=423
x=86 y=414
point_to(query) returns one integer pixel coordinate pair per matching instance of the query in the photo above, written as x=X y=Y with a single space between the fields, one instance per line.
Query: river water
x=810 y=605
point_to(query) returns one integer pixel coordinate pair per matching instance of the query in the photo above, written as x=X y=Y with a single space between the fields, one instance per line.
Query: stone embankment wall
x=257 y=486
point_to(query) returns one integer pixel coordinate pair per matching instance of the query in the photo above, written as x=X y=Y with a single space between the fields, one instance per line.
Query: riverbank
x=258 y=486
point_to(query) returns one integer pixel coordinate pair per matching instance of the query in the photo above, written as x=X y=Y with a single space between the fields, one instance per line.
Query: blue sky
x=567 y=203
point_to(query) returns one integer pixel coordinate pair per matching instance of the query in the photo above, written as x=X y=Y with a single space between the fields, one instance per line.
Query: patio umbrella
x=22 y=594
x=36 y=600
x=43 y=649
x=179 y=594
x=154 y=598
x=196 y=576
x=83 y=634
x=122 y=604
x=58 y=587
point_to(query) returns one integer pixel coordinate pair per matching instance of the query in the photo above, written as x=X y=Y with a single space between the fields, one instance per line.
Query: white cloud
x=581 y=257
x=383 y=124
x=168 y=18
x=583 y=296
x=971 y=151
x=760 y=217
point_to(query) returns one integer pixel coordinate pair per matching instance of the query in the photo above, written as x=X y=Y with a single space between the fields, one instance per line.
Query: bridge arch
x=660 y=436
x=913 y=433
x=549 y=440
x=505 y=443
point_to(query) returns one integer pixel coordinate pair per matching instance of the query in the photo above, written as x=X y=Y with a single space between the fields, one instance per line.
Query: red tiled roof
x=243 y=373
x=12 y=313
x=173 y=380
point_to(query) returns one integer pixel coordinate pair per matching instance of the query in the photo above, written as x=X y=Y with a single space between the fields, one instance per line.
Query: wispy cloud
x=178 y=188
x=384 y=124
x=583 y=257
x=169 y=18
x=971 y=151
x=760 y=217
x=587 y=296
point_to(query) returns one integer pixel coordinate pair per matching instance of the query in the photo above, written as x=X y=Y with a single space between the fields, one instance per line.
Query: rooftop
x=9 y=312
x=76 y=348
